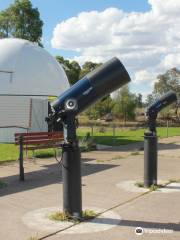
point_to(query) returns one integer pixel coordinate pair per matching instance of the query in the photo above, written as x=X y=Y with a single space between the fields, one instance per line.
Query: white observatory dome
x=27 y=69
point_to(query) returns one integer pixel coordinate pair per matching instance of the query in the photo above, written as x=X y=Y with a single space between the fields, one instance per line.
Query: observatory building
x=28 y=76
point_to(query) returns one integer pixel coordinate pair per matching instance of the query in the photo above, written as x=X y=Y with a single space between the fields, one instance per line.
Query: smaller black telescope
x=153 y=110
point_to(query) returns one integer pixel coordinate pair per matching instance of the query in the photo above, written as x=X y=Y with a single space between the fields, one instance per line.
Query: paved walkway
x=157 y=213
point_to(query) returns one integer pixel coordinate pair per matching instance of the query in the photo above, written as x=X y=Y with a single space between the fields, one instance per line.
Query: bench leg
x=21 y=167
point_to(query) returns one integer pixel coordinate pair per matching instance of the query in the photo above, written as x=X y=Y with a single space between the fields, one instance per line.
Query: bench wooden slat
x=29 y=140
x=38 y=142
x=40 y=137
x=39 y=134
x=34 y=141
x=42 y=147
x=37 y=138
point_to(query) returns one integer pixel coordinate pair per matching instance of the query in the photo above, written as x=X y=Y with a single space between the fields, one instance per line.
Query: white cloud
x=147 y=43
x=143 y=76
x=171 y=60
x=165 y=7
x=85 y=30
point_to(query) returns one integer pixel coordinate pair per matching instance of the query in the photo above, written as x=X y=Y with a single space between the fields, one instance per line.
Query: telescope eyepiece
x=71 y=105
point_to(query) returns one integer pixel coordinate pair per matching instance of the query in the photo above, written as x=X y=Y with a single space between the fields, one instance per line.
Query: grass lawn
x=9 y=152
x=123 y=136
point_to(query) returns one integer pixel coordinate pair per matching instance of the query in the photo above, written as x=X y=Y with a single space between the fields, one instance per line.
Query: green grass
x=47 y=153
x=153 y=187
x=33 y=238
x=139 y=184
x=135 y=153
x=122 y=136
x=62 y=216
x=117 y=157
x=10 y=152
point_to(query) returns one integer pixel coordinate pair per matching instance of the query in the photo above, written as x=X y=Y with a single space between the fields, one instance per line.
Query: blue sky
x=55 y=11
x=143 y=34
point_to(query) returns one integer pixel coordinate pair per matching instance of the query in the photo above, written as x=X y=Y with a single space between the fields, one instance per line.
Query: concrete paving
x=158 y=213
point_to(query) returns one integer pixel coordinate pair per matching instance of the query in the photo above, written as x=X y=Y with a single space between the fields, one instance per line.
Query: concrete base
x=130 y=186
x=170 y=188
x=39 y=220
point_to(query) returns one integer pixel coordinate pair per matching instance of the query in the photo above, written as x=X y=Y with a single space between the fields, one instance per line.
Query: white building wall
x=39 y=113
x=14 y=111
x=21 y=114
x=7 y=134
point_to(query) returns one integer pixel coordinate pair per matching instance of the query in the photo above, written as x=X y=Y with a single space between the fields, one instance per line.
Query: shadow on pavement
x=172 y=187
x=168 y=146
x=135 y=224
x=49 y=174
x=139 y=146
x=155 y=225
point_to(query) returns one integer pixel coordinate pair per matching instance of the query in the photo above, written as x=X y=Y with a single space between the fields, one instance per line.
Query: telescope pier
x=150 y=159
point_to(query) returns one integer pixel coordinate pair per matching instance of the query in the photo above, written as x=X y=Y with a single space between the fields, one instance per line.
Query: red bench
x=34 y=141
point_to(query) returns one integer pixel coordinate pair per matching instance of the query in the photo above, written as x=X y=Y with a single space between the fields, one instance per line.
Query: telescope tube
x=153 y=110
x=95 y=85
x=151 y=140
x=162 y=102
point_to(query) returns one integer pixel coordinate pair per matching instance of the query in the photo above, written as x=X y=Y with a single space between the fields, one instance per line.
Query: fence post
x=21 y=167
x=92 y=131
x=167 y=128
x=114 y=132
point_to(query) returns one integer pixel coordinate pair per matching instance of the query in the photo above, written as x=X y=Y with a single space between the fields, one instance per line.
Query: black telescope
x=94 y=86
x=153 y=110
x=151 y=140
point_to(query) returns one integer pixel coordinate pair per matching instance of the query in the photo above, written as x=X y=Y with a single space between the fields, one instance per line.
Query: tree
x=21 y=20
x=5 y=24
x=72 y=69
x=149 y=99
x=139 y=101
x=101 y=108
x=170 y=80
x=125 y=104
x=88 y=67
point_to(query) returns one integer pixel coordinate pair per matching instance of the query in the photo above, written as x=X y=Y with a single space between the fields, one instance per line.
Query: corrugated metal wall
x=38 y=115
x=7 y=134
x=21 y=112
x=14 y=111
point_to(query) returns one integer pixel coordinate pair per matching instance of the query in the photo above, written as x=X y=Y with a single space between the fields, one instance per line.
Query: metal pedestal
x=150 y=159
x=71 y=172
x=71 y=168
